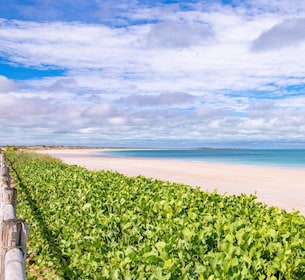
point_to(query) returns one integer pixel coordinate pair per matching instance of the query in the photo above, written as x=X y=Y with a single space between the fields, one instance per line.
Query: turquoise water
x=270 y=157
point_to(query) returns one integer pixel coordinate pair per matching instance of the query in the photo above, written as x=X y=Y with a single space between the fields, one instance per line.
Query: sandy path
x=283 y=187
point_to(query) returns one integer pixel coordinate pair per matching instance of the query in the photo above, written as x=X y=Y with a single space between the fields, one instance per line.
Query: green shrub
x=103 y=225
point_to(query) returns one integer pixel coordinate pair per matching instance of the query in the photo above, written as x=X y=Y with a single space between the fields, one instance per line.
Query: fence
x=13 y=231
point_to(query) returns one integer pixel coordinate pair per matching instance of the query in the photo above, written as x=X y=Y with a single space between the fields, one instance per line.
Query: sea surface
x=268 y=157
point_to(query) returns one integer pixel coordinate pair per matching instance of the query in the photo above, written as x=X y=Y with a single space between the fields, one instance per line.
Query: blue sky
x=152 y=73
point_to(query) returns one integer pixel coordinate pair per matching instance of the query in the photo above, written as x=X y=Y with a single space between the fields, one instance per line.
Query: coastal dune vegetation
x=103 y=225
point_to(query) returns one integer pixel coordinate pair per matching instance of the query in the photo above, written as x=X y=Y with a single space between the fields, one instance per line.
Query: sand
x=282 y=187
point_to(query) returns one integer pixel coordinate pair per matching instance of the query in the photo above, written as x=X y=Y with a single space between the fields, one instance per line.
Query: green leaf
x=86 y=206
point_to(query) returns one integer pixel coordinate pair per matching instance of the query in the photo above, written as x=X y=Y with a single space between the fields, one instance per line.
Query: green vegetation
x=103 y=225
x=11 y=148
x=22 y=156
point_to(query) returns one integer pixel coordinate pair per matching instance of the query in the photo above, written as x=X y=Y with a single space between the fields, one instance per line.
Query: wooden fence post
x=13 y=232
x=14 y=265
x=10 y=197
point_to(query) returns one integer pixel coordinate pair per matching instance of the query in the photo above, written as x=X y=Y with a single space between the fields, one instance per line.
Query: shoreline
x=275 y=186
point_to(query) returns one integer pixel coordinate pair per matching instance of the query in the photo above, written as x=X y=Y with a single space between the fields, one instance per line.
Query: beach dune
x=282 y=187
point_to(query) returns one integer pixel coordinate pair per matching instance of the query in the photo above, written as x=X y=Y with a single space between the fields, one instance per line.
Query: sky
x=153 y=73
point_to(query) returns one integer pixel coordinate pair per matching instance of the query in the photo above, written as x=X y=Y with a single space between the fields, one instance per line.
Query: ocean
x=267 y=157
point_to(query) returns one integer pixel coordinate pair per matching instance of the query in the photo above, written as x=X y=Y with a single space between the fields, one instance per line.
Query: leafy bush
x=11 y=148
x=14 y=156
x=103 y=225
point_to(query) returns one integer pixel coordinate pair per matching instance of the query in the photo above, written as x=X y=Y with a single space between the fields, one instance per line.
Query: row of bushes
x=103 y=225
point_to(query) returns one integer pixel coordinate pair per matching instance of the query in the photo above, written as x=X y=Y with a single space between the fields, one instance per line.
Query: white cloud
x=168 y=99
x=204 y=113
x=7 y=85
x=178 y=34
x=63 y=84
x=100 y=110
x=288 y=33
x=170 y=74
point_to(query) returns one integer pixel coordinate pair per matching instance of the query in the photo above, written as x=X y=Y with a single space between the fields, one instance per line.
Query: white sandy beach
x=283 y=187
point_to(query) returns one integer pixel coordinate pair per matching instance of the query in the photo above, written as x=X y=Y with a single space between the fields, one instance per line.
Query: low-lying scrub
x=103 y=225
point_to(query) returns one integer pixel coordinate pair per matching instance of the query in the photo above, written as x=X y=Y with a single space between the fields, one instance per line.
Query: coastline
x=275 y=186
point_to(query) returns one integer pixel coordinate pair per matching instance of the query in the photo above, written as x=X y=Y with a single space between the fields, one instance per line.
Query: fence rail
x=13 y=231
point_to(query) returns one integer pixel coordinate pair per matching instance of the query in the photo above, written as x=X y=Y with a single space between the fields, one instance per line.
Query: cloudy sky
x=153 y=73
